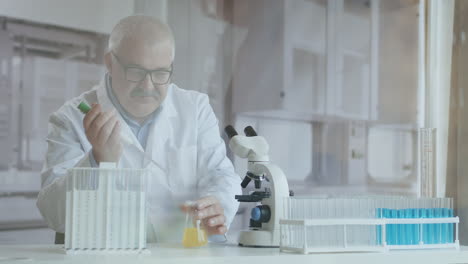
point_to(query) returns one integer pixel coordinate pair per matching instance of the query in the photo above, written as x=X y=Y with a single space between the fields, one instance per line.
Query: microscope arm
x=279 y=190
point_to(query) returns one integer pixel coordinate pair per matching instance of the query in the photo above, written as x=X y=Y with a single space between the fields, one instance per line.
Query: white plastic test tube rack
x=105 y=210
x=298 y=235
x=353 y=223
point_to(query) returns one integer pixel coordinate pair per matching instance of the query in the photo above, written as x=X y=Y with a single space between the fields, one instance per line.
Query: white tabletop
x=228 y=253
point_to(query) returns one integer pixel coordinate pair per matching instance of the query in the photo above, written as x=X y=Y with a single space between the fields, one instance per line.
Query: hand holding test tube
x=109 y=122
x=103 y=132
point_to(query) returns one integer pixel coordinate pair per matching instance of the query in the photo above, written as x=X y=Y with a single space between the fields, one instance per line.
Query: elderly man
x=174 y=127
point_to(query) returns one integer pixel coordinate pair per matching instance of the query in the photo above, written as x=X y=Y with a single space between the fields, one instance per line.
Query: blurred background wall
x=334 y=86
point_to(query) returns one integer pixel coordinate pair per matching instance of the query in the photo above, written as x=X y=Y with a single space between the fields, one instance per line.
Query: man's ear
x=108 y=62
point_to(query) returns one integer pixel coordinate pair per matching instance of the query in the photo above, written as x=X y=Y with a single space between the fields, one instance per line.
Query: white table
x=229 y=253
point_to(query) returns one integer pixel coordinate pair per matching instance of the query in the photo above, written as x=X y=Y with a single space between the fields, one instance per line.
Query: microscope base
x=258 y=238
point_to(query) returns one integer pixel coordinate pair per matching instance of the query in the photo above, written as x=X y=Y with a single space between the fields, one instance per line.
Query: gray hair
x=149 y=29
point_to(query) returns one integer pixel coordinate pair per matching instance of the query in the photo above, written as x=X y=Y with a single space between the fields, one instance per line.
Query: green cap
x=84 y=107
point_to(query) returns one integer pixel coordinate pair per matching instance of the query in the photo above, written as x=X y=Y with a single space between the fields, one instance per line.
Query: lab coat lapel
x=161 y=131
x=158 y=139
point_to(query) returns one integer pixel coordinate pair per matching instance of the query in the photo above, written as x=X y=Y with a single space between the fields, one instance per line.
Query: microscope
x=264 y=228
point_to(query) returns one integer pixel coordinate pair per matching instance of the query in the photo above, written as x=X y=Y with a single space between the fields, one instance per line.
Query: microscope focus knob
x=261 y=213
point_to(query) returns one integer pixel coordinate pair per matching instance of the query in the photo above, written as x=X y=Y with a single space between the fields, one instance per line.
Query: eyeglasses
x=137 y=74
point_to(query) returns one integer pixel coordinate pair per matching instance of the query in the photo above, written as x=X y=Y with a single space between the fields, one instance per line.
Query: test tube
x=416 y=226
x=396 y=227
x=438 y=227
x=379 y=228
x=404 y=228
x=445 y=214
x=330 y=212
x=451 y=227
x=409 y=227
x=340 y=214
x=350 y=208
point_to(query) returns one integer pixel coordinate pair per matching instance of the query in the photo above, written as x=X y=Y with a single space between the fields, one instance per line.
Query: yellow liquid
x=191 y=238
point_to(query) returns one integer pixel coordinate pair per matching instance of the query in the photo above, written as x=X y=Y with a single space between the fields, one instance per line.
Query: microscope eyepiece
x=230 y=131
x=245 y=182
x=250 y=132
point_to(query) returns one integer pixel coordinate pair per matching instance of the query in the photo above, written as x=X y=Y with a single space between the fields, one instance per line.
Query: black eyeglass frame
x=126 y=67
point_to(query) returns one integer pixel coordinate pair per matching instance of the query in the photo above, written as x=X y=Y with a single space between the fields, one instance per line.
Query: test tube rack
x=105 y=210
x=370 y=224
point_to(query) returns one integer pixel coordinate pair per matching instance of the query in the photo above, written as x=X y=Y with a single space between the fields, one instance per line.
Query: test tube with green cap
x=85 y=108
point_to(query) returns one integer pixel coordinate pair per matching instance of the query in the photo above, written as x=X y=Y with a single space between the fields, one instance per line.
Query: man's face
x=140 y=95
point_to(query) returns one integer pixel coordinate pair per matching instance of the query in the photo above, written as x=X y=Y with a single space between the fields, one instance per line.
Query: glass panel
x=332 y=85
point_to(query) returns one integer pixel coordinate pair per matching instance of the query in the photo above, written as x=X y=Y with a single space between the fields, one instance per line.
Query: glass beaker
x=194 y=235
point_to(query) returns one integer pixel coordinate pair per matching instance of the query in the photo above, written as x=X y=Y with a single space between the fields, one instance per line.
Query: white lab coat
x=184 y=138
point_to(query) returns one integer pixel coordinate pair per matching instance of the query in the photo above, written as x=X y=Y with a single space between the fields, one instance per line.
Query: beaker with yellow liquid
x=194 y=235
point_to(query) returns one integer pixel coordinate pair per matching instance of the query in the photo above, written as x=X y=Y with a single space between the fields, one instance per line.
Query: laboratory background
x=342 y=90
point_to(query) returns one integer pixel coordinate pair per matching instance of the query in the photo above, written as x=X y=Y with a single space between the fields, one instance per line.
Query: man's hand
x=103 y=132
x=210 y=212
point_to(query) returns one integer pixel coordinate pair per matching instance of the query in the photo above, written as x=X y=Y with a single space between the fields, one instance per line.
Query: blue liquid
x=410 y=229
x=425 y=228
x=402 y=229
x=437 y=227
x=417 y=234
x=432 y=227
x=444 y=227
x=410 y=234
x=396 y=229
x=378 y=214
x=451 y=227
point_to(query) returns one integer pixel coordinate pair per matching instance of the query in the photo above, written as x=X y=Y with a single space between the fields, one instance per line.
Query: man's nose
x=146 y=83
